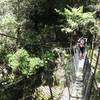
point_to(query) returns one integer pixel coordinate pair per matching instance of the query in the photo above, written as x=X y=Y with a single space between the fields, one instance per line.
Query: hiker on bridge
x=82 y=45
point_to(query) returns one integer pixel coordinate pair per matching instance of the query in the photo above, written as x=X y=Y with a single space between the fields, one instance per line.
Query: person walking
x=81 y=44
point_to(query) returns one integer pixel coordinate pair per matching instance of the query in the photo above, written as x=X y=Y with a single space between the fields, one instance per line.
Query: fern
x=75 y=18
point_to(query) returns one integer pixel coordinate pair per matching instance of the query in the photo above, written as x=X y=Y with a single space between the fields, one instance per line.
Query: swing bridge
x=81 y=77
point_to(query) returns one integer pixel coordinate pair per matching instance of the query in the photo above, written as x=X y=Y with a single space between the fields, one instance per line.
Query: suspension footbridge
x=81 y=79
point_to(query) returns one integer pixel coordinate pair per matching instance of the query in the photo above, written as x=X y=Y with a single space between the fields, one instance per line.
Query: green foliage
x=2 y=56
x=5 y=96
x=48 y=57
x=98 y=75
x=40 y=95
x=22 y=62
x=75 y=18
x=35 y=63
x=8 y=23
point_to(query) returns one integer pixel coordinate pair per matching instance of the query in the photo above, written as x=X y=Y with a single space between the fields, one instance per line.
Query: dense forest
x=36 y=37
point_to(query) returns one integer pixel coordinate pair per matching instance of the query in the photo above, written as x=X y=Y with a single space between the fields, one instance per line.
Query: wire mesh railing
x=89 y=77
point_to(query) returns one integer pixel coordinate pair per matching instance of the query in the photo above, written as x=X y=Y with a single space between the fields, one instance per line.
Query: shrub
x=21 y=62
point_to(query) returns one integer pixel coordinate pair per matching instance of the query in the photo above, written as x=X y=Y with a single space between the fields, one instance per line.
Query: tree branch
x=7 y=36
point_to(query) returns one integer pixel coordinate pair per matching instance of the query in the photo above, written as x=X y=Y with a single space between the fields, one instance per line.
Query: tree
x=75 y=19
